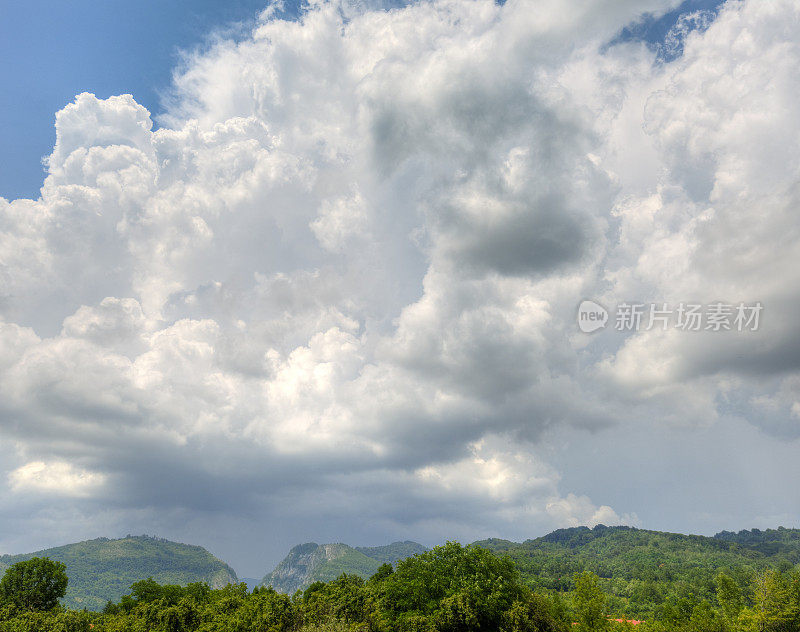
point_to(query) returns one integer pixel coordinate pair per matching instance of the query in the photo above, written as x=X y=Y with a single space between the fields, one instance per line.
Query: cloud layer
x=334 y=295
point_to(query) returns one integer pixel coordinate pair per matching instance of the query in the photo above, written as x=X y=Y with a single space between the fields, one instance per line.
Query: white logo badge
x=591 y=316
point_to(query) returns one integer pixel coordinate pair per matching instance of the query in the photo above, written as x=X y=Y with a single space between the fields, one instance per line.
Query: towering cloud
x=339 y=283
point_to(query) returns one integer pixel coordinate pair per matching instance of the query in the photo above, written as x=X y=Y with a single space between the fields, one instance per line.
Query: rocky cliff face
x=307 y=563
x=303 y=564
x=221 y=577
x=295 y=569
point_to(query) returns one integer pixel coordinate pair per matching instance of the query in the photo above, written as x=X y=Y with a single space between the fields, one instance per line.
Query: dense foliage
x=449 y=589
x=34 y=585
x=393 y=552
x=351 y=562
x=642 y=571
x=104 y=569
x=312 y=562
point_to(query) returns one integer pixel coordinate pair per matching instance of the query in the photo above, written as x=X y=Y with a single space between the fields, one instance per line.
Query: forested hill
x=101 y=570
x=394 y=552
x=771 y=542
x=636 y=566
x=640 y=570
x=311 y=562
x=646 y=567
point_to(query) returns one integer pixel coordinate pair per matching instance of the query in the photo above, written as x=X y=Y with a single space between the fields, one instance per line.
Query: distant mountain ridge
x=394 y=552
x=768 y=542
x=551 y=561
x=650 y=562
x=101 y=570
x=642 y=560
x=311 y=562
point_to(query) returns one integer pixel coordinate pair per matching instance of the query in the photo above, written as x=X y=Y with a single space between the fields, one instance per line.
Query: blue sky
x=52 y=51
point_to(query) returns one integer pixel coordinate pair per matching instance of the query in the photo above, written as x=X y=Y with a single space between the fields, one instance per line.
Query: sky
x=55 y=50
x=325 y=274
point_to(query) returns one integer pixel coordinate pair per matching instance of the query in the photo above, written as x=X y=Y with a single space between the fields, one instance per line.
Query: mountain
x=103 y=569
x=772 y=542
x=643 y=567
x=311 y=562
x=393 y=552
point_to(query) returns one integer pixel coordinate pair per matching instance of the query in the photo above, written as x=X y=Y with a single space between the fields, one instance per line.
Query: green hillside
x=101 y=570
x=642 y=569
x=393 y=552
x=312 y=562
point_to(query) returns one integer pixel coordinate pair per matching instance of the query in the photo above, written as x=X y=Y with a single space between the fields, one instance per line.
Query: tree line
x=451 y=588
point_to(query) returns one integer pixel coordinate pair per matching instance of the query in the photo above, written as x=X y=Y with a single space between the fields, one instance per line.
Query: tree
x=35 y=584
x=534 y=613
x=452 y=588
x=774 y=607
x=589 y=601
x=705 y=619
x=729 y=596
x=147 y=590
x=384 y=570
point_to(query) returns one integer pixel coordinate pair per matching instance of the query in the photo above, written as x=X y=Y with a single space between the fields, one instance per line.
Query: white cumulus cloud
x=342 y=276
